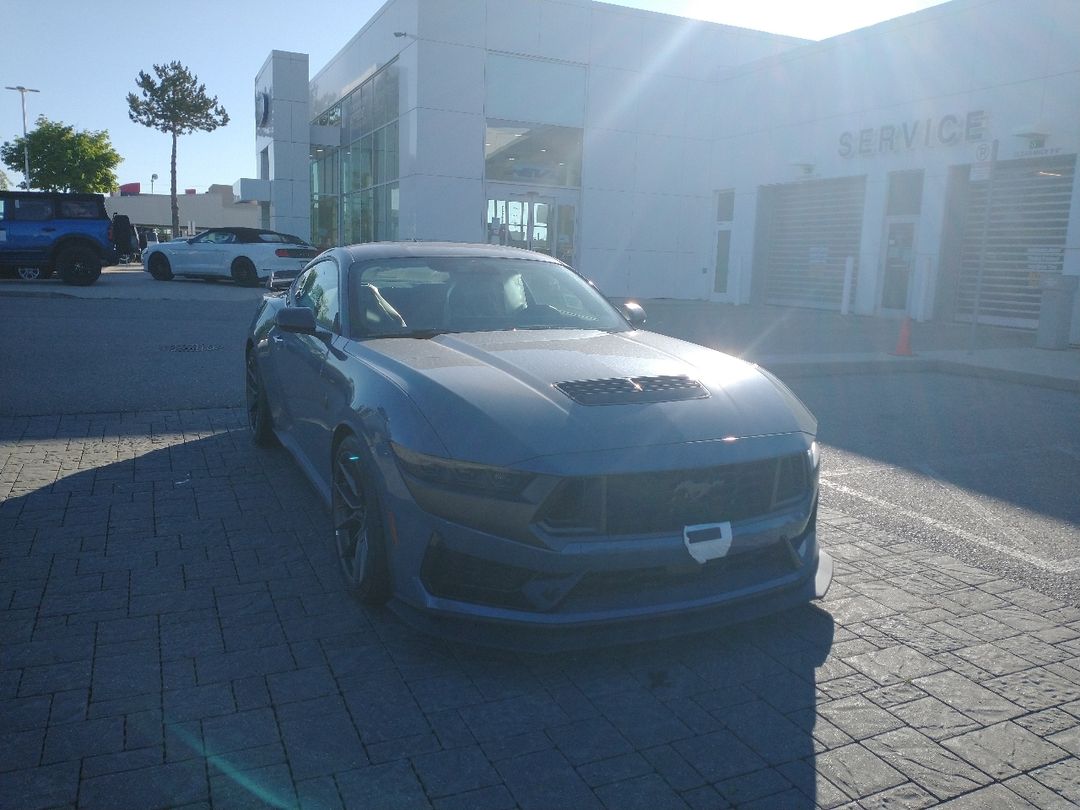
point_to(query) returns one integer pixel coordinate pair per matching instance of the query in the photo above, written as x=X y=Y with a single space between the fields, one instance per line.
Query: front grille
x=665 y=502
x=633 y=390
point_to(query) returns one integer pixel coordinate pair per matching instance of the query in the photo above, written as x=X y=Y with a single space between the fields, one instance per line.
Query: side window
x=30 y=210
x=318 y=289
x=79 y=209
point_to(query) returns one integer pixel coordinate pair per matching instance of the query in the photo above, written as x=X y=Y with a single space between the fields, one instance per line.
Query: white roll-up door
x=1025 y=237
x=808 y=231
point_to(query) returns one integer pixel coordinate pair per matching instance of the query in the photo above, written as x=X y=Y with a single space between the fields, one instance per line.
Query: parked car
x=247 y=255
x=46 y=232
x=498 y=443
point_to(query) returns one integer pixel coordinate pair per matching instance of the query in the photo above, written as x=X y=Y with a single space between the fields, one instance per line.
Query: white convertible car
x=248 y=256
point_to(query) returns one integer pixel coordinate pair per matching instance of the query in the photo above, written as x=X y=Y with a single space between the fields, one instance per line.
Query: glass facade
x=533 y=154
x=354 y=187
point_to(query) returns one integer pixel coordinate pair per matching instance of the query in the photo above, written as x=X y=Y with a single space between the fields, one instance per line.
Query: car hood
x=491 y=396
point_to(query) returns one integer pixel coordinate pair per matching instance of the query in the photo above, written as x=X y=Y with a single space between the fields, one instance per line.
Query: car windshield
x=429 y=295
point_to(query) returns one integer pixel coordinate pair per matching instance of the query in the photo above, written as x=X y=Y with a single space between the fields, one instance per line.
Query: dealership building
x=923 y=166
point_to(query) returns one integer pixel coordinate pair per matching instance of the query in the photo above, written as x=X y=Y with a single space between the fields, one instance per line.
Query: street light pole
x=26 y=144
x=153 y=177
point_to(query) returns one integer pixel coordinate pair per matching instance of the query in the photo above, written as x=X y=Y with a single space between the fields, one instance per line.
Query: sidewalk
x=793 y=342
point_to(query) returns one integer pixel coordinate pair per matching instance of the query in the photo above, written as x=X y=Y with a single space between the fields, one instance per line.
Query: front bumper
x=463 y=583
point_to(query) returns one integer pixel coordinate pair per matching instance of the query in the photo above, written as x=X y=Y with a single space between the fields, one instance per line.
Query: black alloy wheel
x=78 y=265
x=243 y=272
x=358 y=527
x=258 y=409
x=159 y=268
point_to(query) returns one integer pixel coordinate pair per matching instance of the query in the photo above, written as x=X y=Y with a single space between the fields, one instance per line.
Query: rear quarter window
x=80 y=209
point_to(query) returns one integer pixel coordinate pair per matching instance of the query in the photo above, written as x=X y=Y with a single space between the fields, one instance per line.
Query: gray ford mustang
x=499 y=444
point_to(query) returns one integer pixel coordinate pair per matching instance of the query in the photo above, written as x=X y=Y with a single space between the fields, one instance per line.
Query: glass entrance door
x=534 y=222
x=897 y=265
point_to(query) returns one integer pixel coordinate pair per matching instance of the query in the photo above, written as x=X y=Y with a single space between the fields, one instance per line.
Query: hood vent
x=633 y=390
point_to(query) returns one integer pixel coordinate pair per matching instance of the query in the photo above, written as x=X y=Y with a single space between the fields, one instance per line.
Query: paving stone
x=239 y=730
x=1047 y=722
x=72 y=741
x=648 y=792
x=997 y=797
x=925 y=762
x=857 y=771
x=496 y=797
x=393 y=786
x=740 y=790
x=1004 y=750
x=444 y=773
x=858 y=717
x=1038 y=794
x=615 y=769
x=589 y=740
x=160 y=786
x=318 y=794
x=323 y=745
x=125 y=675
x=718 y=756
x=270 y=786
x=894 y=664
x=1035 y=689
x=903 y=797
x=544 y=780
x=977 y=702
x=513 y=716
x=993 y=659
x=301 y=684
x=197 y=702
x=36 y=788
x=934 y=719
x=21 y=749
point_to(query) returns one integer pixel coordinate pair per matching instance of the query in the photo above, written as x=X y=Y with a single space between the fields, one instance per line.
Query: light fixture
x=1035 y=134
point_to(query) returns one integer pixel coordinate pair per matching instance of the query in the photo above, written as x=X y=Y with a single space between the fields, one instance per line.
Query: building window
x=725 y=206
x=365 y=168
x=905 y=193
x=533 y=154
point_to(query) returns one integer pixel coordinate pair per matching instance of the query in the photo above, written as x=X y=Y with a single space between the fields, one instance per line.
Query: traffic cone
x=903 y=343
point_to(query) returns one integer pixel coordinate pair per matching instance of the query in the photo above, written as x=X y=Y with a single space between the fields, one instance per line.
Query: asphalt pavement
x=173 y=633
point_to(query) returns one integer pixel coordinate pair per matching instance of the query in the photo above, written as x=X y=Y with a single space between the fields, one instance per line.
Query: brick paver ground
x=174 y=634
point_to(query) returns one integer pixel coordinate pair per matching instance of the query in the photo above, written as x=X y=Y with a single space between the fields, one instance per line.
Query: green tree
x=65 y=159
x=176 y=103
x=3 y=181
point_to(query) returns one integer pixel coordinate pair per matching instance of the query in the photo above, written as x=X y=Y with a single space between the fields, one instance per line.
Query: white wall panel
x=564 y=30
x=453 y=77
x=453 y=22
x=616 y=37
x=612 y=102
x=607 y=219
x=450 y=144
x=446 y=208
x=610 y=159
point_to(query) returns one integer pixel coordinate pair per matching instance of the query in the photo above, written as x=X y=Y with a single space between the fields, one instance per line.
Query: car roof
x=78 y=196
x=392 y=250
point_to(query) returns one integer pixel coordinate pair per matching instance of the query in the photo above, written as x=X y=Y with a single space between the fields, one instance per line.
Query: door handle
x=277 y=339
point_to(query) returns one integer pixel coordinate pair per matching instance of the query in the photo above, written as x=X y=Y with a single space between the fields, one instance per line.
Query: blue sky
x=84 y=59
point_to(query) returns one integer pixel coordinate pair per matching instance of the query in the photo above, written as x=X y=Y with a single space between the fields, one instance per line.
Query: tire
x=358 y=525
x=33 y=273
x=243 y=272
x=159 y=268
x=78 y=265
x=258 y=408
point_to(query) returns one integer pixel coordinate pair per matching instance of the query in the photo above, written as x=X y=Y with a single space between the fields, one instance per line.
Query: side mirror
x=296 y=319
x=634 y=313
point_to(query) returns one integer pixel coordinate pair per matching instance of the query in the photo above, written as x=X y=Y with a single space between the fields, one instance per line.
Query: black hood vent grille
x=633 y=390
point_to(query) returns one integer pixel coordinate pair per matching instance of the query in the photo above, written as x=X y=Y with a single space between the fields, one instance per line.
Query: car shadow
x=163 y=574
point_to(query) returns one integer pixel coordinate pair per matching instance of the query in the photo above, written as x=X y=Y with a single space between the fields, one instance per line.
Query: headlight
x=462 y=476
x=813 y=455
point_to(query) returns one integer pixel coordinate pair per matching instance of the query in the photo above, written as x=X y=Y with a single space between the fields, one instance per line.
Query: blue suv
x=45 y=232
